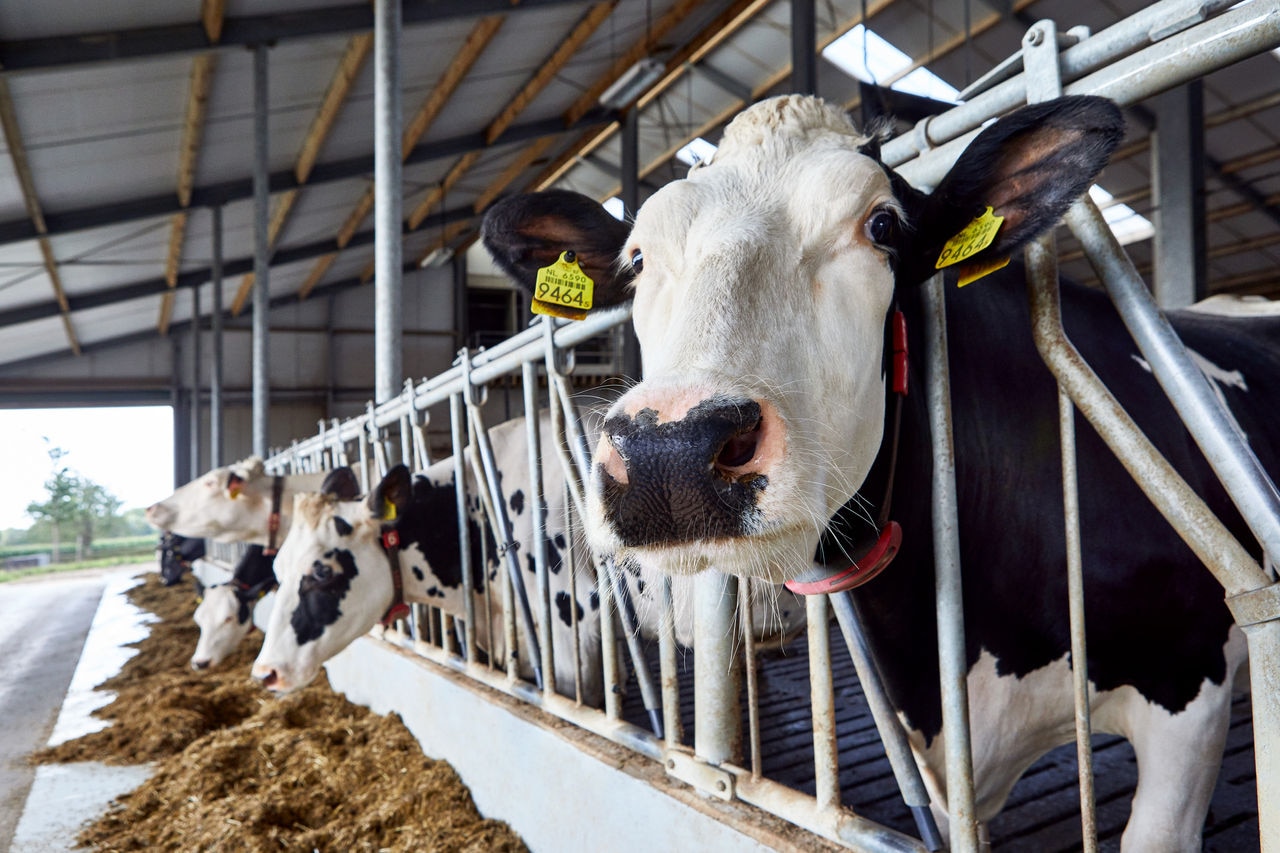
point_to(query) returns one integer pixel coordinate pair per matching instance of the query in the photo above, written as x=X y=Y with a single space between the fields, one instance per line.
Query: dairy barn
x=804 y=544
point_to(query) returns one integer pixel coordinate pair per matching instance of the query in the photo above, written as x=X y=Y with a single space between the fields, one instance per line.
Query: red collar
x=889 y=533
x=398 y=609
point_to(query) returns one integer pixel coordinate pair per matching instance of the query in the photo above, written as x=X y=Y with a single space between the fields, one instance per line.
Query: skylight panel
x=697 y=151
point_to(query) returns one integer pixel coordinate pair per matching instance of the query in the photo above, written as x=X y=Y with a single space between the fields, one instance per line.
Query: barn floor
x=1043 y=813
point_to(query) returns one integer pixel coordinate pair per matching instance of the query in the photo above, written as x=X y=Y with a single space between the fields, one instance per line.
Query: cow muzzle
x=669 y=472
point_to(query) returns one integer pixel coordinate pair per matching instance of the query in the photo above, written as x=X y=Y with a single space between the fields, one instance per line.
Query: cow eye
x=881 y=227
x=321 y=571
x=637 y=261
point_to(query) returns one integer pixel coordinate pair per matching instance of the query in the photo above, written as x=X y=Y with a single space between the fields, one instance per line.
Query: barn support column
x=215 y=367
x=1177 y=151
x=261 y=249
x=195 y=379
x=387 y=201
x=631 y=364
x=180 y=420
x=459 y=268
x=804 y=48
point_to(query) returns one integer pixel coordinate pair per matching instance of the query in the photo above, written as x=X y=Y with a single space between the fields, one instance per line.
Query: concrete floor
x=57 y=645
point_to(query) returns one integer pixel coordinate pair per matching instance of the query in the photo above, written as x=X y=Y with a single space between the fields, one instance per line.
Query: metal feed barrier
x=1164 y=45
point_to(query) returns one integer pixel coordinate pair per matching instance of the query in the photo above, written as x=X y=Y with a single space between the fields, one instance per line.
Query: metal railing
x=1166 y=44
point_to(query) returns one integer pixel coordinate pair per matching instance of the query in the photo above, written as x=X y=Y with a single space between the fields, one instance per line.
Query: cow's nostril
x=739 y=449
x=268 y=678
x=200 y=664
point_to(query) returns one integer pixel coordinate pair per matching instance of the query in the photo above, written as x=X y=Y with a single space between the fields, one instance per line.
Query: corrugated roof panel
x=66 y=17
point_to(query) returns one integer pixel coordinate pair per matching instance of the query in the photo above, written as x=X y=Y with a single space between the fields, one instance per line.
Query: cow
x=336 y=582
x=176 y=556
x=225 y=611
x=764 y=288
x=237 y=503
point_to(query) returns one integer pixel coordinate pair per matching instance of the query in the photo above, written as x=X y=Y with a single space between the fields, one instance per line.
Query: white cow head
x=335 y=581
x=233 y=503
x=762 y=285
x=225 y=611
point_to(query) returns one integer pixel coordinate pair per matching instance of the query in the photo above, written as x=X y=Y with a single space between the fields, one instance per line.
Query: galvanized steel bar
x=387 y=249
x=195 y=380
x=538 y=516
x=1193 y=52
x=672 y=726
x=1042 y=267
x=457 y=436
x=717 y=725
x=215 y=367
x=261 y=256
x=1213 y=429
x=952 y=666
x=608 y=645
x=750 y=667
x=826 y=762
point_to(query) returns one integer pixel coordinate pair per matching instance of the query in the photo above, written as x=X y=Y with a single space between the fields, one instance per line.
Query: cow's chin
x=774 y=555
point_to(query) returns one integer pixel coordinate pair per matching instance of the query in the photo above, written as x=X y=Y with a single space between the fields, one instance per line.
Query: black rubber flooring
x=1043 y=812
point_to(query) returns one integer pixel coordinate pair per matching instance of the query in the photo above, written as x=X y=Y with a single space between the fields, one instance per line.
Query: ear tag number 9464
x=563 y=289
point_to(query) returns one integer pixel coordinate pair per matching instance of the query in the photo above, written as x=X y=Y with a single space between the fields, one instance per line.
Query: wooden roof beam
x=472 y=47
x=22 y=168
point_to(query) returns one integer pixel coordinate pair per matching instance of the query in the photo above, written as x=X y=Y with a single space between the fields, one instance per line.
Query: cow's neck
x=430 y=558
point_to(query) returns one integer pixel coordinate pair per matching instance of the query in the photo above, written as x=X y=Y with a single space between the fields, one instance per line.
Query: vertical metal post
x=826 y=764
x=195 y=380
x=180 y=459
x=1177 y=152
x=387 y=199
x=950 y=600
x=630 y=141
x=458 y=429
x=804 y=48
x=261 y=270
x=215 y=368
x=717 y=718
x=538 y=518
x=1041 y=267
x=672 y=726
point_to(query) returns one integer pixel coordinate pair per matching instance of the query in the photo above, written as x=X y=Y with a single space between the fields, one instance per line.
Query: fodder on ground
x=238 y=770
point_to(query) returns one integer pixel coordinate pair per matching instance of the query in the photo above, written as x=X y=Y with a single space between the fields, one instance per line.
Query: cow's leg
x=1178 y=760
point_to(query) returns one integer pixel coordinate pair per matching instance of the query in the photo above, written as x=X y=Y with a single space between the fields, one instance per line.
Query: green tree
x=75 y=504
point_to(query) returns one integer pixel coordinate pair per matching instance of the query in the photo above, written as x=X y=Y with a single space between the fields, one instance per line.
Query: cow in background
x=236 y=503
x=177 y=553
x=224 y=611
x=764 y=288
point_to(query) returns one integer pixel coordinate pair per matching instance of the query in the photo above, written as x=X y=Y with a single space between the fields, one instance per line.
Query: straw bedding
x=238 y=770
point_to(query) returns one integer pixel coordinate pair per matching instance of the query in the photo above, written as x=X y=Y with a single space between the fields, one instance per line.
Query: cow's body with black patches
x=763 y=286
x=177 y=553
x=225 y=611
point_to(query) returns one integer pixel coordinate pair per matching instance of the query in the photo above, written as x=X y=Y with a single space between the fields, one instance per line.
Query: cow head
x=761 y=286
x=224 y=612
x=335 y=581
x=176 y=554
x=233 y=503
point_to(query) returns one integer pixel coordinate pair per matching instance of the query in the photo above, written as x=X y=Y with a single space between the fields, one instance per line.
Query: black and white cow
x=336 y=583
x=225 y=611
x=763 y=286
x=176 y=555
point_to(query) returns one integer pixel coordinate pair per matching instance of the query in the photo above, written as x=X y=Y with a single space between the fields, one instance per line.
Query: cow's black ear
x=392 y=494
x=1028 y=167
x=342 y=484
x=525 y=233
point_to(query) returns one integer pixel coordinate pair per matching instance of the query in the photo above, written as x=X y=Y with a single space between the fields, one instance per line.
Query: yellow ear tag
x=971 y=240
x=234 y=491
x=388 y=511
x=972 y=272
x=563 y=289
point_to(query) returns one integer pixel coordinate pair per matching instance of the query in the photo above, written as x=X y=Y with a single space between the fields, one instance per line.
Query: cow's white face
x=224 y=622
x=226 y=504
x=335 y=584
x=760 y=304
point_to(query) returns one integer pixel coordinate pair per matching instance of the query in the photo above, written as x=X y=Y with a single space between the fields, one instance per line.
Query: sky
x=127 y=450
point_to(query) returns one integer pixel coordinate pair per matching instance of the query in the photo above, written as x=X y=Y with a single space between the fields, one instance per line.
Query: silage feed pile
x=238 y=770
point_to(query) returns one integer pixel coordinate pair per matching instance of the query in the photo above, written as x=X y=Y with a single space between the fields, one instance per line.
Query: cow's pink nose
x=268 y=676
x=159 y=515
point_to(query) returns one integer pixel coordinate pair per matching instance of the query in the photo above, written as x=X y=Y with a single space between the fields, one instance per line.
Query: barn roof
x=127 y=124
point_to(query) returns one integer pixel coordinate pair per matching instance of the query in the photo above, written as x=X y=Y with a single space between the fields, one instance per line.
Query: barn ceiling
x=127 y=124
